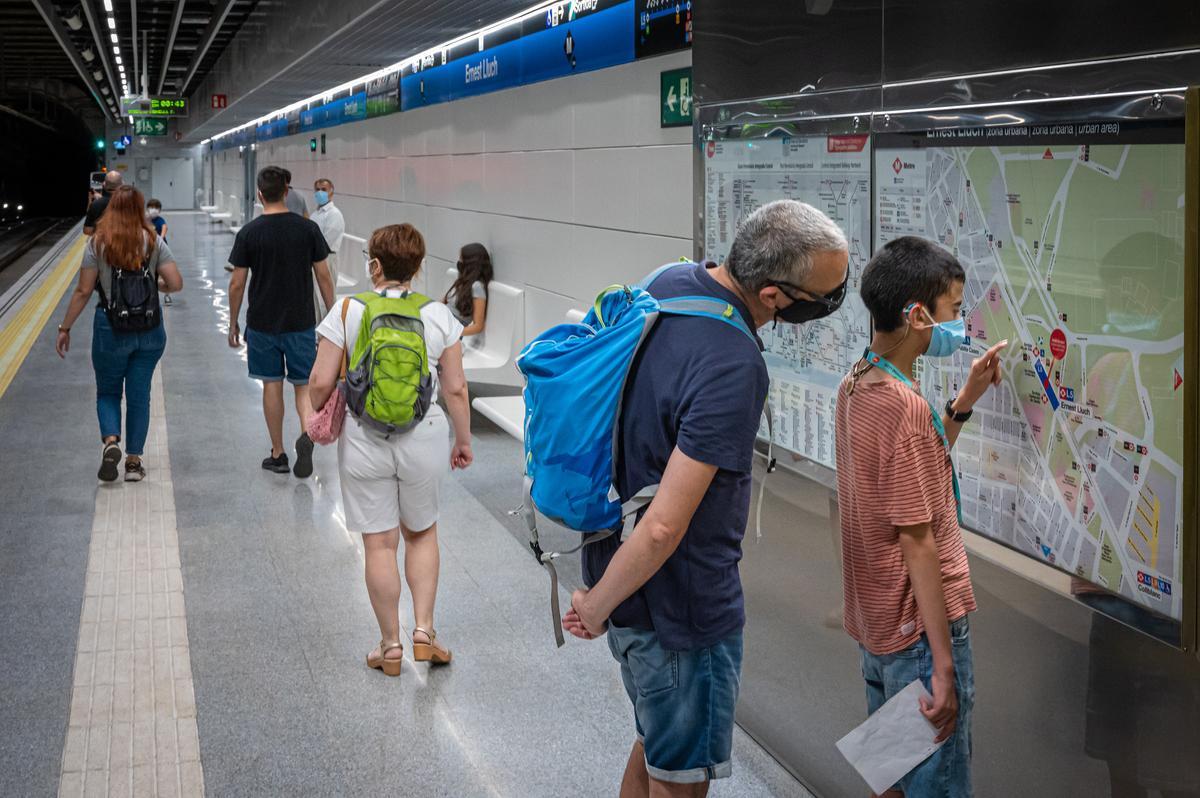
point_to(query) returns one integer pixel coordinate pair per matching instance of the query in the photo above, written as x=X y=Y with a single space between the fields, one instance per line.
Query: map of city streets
x=1072 y=240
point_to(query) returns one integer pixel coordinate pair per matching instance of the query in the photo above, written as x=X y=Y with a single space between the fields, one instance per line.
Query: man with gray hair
x=670 y=596
x=112 y=182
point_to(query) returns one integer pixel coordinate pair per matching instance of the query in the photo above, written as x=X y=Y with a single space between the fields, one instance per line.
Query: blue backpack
x=575 y=376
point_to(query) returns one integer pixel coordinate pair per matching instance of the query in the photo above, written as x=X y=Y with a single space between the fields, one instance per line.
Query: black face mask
x=802 y=310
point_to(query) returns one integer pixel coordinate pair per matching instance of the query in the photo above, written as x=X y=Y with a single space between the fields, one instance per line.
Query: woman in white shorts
x=391 y=486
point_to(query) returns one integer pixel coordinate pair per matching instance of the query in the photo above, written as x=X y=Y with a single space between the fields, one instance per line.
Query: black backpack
x=132 y=301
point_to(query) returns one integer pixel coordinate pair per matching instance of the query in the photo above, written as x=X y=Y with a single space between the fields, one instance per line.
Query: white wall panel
x=570 y=184
x=605 y=180
x=544 y=309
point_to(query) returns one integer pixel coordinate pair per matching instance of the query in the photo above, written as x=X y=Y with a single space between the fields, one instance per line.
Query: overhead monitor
x=154 y=106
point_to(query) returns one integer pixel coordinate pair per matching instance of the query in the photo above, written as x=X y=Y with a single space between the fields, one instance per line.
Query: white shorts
x=387 y=482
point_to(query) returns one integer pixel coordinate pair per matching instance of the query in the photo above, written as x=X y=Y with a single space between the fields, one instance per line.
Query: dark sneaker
x=108 y=462
x=277 y=464
x=229 y=268
x=304 y=450
x=166 y=299
x=134 y=472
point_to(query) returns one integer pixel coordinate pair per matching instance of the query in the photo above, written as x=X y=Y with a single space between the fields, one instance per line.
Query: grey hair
x=777 y=242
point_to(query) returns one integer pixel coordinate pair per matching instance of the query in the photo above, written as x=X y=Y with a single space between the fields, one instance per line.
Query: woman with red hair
x=127 y=264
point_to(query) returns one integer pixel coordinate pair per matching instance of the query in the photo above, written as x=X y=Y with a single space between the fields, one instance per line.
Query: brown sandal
x=389 y=666
x=428 y=652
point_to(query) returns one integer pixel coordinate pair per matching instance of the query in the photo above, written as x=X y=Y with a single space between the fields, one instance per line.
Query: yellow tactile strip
x=132 y=729
x=18 y=335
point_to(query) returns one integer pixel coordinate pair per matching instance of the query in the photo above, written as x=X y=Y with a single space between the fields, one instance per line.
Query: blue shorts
x=268 y=355
x=683 y=703
x=947 y=772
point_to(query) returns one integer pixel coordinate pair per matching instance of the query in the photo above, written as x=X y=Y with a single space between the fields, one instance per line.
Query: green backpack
x=388 y=385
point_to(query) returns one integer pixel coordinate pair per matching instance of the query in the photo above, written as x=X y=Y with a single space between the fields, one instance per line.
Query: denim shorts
x=683 y=703
x=947 y=772
x=269 y=354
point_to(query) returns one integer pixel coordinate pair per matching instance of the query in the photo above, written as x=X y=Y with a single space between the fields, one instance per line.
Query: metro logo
x=899 y=165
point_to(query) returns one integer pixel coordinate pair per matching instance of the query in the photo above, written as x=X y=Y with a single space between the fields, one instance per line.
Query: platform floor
x=203 y=632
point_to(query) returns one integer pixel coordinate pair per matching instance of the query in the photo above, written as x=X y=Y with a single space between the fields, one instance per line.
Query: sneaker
x=134 y=472
x=277 y=464
x=229 y=268
x=304 y=450
x=108 y=462
x=167 y=299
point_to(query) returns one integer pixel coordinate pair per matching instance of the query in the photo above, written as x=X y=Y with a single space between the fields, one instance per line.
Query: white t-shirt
x=478 y=291
x=442 y=330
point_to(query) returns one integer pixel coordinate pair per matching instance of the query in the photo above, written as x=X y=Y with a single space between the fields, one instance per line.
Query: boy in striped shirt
x=906 y=580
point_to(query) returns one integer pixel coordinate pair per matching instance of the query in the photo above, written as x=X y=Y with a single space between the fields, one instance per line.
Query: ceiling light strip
x=481 y=32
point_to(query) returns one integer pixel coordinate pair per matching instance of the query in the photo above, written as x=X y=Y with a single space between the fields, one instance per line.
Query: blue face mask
x=948 y=336
x=322 y=197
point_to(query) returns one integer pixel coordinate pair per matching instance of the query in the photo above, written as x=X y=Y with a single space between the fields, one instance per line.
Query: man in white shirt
x=333 y=227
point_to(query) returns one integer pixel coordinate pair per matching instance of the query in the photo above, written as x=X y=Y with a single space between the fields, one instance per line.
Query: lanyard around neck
x=939 y=426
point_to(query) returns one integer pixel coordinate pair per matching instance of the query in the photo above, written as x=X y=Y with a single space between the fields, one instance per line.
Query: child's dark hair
x=906 y=270
x=153 y=203
x=474 y=266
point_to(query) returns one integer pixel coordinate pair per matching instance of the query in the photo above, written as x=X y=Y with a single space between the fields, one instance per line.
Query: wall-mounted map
x=1072 y=237
x=806 y=363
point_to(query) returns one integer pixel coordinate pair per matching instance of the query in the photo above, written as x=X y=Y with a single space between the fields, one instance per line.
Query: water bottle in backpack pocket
x=388 y=385
x=131 y=303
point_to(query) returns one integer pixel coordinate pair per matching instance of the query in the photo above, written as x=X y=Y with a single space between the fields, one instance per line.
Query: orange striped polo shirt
x=892 y=471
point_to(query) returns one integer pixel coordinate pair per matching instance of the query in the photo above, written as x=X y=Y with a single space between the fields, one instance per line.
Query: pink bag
x=325 y=425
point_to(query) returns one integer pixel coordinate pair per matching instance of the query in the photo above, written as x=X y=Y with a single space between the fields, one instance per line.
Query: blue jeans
x=124 y=364
x=683 y=703
x=947 y=772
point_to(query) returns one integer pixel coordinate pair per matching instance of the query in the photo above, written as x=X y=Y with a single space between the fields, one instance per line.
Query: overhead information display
x=832 y=173
x=1072 y=240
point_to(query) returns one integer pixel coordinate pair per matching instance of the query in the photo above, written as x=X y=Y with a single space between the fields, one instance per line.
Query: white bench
x=508 y=412
x=235 y=215
x=494 y=363
x=352 y=277
x=219 y=213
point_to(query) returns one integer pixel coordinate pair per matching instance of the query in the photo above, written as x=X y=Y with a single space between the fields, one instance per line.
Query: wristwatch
x=63 y=329
x=960 y=418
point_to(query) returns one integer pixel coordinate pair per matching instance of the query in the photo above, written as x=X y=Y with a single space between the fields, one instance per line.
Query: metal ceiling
x=179 y=40
x=283 y=56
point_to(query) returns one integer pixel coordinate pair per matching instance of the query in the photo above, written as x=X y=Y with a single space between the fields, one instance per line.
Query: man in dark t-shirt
x=281 y=252
x=670 y=596
x=112 y=182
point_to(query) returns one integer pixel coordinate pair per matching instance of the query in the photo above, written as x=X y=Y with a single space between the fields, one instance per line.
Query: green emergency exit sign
x=149 y=127
x=676 y=95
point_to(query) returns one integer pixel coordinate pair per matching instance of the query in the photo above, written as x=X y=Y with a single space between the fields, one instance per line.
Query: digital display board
x=383 y=95
x=154 y=106
x=1072 y=239
x=662 y=26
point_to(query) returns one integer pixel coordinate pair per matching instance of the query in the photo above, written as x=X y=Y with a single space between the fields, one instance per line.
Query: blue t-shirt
x=159 y=223
x=700 y=385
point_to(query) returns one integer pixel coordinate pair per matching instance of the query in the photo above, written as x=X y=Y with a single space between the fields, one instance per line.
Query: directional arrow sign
x=671 y=98
x=149 y=126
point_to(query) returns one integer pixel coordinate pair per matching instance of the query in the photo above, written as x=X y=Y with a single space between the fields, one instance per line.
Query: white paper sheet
x=893 y=741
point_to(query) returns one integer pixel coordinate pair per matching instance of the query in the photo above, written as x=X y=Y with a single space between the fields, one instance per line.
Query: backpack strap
x=345 y=340
x=707 y=307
